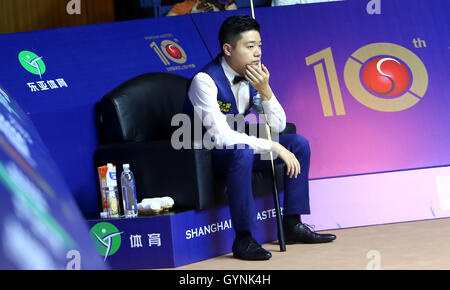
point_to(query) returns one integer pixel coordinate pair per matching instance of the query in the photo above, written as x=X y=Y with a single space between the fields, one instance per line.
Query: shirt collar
x=229 y=72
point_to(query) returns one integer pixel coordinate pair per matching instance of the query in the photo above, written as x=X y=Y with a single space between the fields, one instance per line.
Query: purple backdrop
x=363 y=140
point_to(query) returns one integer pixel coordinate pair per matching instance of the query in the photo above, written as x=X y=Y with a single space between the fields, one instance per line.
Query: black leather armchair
x=134 y=126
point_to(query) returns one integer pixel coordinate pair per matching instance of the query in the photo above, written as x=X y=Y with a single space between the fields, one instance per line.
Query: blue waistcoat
x=225 y=97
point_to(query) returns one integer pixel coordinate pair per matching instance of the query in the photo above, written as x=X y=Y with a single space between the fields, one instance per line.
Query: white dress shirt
x=203 y=96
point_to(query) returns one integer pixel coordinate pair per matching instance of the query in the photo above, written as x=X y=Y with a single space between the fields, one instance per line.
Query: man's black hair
x=232 y=27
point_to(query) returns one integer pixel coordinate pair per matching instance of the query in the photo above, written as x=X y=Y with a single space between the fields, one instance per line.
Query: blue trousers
x=236 y=165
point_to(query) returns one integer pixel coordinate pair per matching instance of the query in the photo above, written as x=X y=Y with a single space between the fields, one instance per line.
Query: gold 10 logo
x=382 y=76
x=169 y=50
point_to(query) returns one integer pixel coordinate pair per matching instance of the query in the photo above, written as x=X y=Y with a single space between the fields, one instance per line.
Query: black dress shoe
x=249 y=249
x=300 y=233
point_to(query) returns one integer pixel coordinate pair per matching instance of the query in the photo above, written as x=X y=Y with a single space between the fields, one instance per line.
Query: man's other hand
x=292 y=165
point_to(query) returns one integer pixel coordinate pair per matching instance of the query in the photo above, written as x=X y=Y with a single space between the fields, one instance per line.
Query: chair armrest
x=290 y=129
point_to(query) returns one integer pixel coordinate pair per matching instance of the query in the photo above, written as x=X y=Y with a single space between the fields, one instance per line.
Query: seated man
x=197 y=6
x=234 y=78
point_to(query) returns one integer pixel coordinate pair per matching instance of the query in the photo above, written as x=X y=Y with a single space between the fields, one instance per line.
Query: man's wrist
x=266 y=94
x=274 y=147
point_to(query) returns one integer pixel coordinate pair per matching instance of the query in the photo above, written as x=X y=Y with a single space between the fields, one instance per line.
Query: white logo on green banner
x=32 y=63
x=107 y=238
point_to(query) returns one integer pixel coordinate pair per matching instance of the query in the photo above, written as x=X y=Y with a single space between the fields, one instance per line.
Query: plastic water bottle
x=128 y=192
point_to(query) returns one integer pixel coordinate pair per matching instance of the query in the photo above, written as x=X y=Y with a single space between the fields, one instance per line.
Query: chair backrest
x=141 y=109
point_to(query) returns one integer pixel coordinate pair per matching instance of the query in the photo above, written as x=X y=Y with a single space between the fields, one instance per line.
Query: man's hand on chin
x=259 y=79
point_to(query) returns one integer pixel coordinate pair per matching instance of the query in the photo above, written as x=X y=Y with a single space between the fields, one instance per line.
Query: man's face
x=247 y=50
